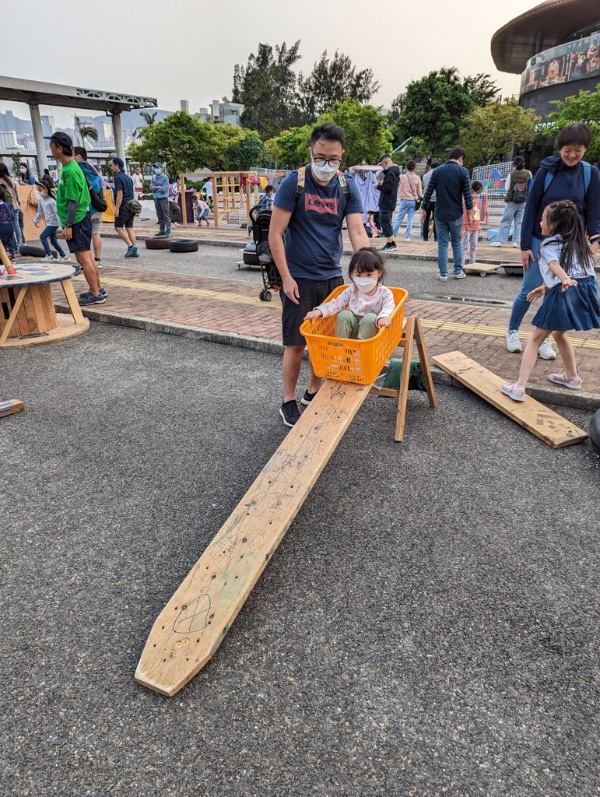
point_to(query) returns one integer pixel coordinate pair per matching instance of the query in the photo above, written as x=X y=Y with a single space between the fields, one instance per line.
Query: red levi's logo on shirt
x=319 y=204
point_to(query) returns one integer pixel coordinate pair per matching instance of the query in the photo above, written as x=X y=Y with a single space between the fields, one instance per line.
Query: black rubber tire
x=183 y=245
x=31 y=251
x=157 y=243
x=251 y=259
x=595 y=430
x=513 y=271
x=265 y=296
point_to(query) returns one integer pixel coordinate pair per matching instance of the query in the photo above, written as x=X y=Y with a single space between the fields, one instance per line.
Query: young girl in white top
x=370 y=304
x=571 y=300
x=47 y=209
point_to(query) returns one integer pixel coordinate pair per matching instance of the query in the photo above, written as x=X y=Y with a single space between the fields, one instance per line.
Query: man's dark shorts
x=125 y=217
x=312 y=293
x=385 y=219
x=82 y=235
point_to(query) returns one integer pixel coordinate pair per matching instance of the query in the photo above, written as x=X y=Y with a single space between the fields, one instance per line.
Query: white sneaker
x=513 y=342
x=460 y=276
x=516 y=245
x=64 y=259
x=495 y=243
x=48 y=259
x=546 y=352
x=441 y=279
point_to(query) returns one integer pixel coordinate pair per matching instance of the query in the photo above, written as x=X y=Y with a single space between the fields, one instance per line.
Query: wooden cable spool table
x=27 y=314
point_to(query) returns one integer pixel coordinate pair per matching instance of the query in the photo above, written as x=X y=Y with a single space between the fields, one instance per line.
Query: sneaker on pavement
x=546 y=352
x=513 y=342
x=516 y=245
x=441 y=278
x=65 y=259
x=91 y=298
x=307 y=398
x=47 y=259
x=572 y=382
x=103 y=292
x=495 y=243
x=460 y=276
x=390 y=247
x=289 y=412
x=513 y=390
x=99 y=263
x=132 y=251
x=161 y=235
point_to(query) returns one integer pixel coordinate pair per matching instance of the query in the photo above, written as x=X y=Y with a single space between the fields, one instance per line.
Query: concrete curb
x=547 y=395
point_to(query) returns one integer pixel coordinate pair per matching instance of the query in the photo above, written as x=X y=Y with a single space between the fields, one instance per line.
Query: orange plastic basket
x=349 y=360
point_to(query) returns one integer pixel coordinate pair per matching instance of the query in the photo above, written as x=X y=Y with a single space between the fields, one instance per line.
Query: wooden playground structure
x=233 y=194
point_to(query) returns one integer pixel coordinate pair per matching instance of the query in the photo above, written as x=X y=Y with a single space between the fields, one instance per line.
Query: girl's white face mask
x=365 y=284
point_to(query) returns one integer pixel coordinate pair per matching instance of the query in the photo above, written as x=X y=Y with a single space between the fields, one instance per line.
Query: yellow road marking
x=448 y=326
x=215 y=295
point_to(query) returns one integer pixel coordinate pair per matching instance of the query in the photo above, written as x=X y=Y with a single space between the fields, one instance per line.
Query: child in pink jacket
x=471 y=229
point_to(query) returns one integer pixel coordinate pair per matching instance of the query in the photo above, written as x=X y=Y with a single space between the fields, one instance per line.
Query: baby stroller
x=260 y=233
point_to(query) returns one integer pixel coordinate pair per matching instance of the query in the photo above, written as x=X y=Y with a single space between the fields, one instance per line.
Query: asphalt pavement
x=428 y=626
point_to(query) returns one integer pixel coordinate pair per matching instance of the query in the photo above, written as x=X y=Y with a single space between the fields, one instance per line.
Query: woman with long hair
x=560 y=177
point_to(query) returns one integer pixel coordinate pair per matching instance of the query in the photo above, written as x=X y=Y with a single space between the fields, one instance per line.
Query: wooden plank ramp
x=538 y=419
x=10 y=407
x=194 y=622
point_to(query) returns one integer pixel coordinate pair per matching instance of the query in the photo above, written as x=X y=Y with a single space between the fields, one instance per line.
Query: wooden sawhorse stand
x=412 y=332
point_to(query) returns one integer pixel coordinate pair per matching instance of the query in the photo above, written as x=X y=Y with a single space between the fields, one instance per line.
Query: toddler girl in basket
x=567 y=267
x=370 y=304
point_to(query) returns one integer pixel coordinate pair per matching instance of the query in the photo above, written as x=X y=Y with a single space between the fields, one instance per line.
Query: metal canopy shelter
x=35 y=93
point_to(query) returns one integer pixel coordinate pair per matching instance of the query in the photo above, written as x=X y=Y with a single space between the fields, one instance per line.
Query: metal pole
x=118 y=135
x=38 y=134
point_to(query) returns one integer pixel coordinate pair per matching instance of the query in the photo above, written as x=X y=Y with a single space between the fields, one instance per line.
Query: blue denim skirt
x=576 y=308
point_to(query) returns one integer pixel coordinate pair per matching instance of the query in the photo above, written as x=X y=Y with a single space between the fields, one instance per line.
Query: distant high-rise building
x=8 y=140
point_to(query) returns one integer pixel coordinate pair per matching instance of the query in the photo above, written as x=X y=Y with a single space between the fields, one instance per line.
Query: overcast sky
x=186 y=49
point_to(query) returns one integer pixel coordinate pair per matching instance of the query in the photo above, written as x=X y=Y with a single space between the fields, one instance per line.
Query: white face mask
x=365 y=284
x=323 y=172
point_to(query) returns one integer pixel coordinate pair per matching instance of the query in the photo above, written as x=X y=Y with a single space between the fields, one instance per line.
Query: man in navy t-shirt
x=124 y=216
x=305 y=236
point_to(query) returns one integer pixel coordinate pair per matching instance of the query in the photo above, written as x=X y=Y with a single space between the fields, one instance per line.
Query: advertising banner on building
x=562 y=64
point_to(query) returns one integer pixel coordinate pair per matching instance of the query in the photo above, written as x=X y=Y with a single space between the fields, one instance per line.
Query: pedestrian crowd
x=555 y=221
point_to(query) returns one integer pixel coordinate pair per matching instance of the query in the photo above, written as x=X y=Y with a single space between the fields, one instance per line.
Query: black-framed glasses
x=335 y=162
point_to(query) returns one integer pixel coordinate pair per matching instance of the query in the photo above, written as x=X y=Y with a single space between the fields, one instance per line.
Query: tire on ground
x=31 y=251
x=183 y=245
x=157 y=243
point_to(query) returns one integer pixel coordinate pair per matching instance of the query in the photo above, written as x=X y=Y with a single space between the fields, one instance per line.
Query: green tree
x=267 y=88
x=16 y=162
x=367 y=133
x=180 y=141
x=332 y=81
x=149 y=117
x=434 y=108
x=249 y=151
x=84 y=131
x=584 y=107
x=490 y=132
x=290 y=149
